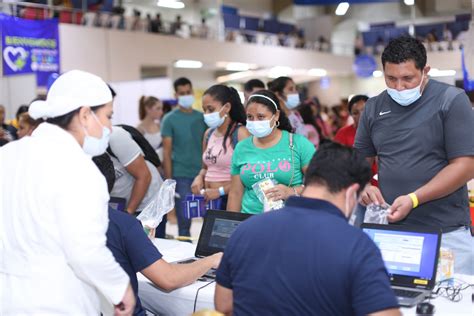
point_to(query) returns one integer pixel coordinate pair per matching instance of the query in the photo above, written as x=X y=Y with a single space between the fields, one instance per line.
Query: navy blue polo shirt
x=304 y=259
x=131 y=248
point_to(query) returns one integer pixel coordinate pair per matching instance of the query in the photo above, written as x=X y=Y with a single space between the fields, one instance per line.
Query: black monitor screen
x=221 y=232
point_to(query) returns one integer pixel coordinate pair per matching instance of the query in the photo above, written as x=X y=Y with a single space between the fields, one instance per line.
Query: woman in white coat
x=53 y=211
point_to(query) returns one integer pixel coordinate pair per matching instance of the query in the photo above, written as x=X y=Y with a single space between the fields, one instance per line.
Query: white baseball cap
x=72 y=90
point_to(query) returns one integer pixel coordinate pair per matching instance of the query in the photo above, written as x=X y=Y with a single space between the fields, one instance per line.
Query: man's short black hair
x=253 y=83
x=355 y=99
x=181 y=82
x=403 y=49
x=337 y=167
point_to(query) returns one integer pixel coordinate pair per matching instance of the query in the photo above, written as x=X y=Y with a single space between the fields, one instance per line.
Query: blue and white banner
x=30 y=46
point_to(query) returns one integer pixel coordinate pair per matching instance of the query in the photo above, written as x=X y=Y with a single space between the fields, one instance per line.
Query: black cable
x=197 y=293
x=451 y=292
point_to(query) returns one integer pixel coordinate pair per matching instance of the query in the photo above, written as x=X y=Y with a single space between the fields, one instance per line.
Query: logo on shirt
x=267 y=169
x=211 y=157
x=383 y=113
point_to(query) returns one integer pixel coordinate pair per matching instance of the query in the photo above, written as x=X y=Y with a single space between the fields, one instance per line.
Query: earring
x=277 y=123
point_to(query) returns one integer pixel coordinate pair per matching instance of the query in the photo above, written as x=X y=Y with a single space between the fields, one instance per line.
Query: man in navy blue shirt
x=136 y=253
x=305 y=259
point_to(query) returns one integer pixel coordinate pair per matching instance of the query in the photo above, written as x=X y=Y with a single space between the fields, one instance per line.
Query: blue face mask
x=94 y=146
x=292 y=100
x=186 y=101
x=406 y=97
x=214 y=120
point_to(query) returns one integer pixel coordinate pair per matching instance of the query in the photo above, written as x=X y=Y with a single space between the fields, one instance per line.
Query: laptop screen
x=216 y=230
x=407 y=253
x=221 y=232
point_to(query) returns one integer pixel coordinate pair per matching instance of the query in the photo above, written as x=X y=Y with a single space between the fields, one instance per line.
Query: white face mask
x=186 y=101
x=94 y=146
x=260 y=129
x=406 y=97
x=214 y=120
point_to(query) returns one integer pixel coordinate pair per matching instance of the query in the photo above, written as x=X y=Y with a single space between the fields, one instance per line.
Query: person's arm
x=224 y=300
x=234 y=203
x=170 y=276
x=167 y=162
x=456 y=174
x=138 y=170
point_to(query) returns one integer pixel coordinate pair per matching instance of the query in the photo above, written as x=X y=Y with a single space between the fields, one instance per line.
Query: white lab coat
x=53 y=220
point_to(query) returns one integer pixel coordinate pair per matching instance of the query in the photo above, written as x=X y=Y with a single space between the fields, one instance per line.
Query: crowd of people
x=416 y=135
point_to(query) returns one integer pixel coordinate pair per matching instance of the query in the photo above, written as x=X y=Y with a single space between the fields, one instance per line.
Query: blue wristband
x=221 y=191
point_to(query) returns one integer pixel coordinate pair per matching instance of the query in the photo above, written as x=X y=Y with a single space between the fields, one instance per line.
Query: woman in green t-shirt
x=271 y=153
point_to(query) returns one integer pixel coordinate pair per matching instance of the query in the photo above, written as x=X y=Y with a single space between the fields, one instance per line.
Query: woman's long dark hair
x=307 y=115
x=283 y=120
x=225 y=94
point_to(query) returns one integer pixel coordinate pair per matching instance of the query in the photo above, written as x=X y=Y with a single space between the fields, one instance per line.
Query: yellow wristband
x=414 y=199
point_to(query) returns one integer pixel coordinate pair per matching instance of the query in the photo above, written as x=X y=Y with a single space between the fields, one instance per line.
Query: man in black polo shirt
x=305 y=259
x=422 y=132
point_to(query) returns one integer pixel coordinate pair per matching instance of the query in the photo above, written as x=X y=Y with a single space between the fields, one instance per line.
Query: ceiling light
x=409 y=2
x=184 y=63
x=171 y=4
x=377 y=73
x=279 y=71
x=441 y=73
x=342 y=8
x=317 y=72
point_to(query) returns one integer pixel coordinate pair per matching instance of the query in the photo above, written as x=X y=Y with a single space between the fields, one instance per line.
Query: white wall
x=128 y=96
x=119 y=55
x=15 y=91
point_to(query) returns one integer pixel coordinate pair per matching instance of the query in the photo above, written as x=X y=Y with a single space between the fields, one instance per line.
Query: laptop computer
x=411 y=256
x=216 y=230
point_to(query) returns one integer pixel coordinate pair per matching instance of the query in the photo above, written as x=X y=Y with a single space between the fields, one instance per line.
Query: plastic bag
x=259 y=188
x=153 y=213
x=376 y=214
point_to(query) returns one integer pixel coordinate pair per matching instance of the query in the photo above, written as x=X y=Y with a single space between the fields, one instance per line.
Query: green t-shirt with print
x=254 y=164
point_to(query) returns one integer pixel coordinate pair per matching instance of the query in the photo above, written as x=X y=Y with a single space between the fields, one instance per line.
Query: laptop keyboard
x=406 y=293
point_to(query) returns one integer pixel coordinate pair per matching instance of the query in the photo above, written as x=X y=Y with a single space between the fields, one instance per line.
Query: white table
x=181 y=301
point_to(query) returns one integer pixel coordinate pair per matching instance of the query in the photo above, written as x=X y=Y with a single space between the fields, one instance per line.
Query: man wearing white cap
x=53 y=254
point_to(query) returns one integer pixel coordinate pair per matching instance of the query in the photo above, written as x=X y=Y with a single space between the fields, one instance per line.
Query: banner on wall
x=30 y=47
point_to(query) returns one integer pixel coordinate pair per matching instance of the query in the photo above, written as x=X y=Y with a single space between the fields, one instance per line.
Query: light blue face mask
x=214 y=120
x=94 y=146
x=186 y=101
x=406 y=97
x=292 y=100
x=260 y=129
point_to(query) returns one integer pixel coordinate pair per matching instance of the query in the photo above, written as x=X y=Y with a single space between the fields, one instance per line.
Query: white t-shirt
x=126 y=151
